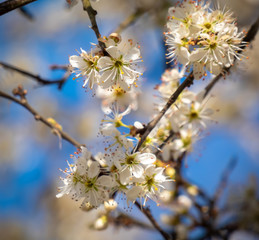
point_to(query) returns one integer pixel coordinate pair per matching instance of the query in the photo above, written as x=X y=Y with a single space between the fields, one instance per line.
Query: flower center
x=130 y=160
x=150 y=182
x=207 y=25
x=194 y=114
x=89 y=63
x=89 y=184
x=119 y=92
x=119 y=64
x=187 y=141
x=213 y=45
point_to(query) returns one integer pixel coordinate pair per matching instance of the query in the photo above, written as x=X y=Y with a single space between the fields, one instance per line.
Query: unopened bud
x=101 y=223
x=115 y=37
x=192 y=190
x=110 y=205
x=170 y=219
x=170 y=171
x=87 y=207
x=166 y=196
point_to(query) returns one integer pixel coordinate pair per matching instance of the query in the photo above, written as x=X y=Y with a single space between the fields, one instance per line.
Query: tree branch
x=131 y=19
x=186 y=83
x=10 y=5
x=148 y=214
x=60 y=82
x=92 y=16
x=224 y=179
x=23 y=102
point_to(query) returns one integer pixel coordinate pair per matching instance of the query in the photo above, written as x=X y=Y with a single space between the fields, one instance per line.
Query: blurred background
x=30 y=154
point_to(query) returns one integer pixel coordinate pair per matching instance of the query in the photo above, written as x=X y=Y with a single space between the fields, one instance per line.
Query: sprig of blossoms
x=115 y=71
x=202 y=38
x=83 y=181
x=183 y=121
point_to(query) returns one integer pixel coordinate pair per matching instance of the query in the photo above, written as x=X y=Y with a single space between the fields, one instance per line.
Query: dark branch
x=186 y=83
x=10 y=5
x=224 y=179
x=123 y=220
x=148 y=214
x=60 y=82
x=165 y=142
x=131 y=19
x=92 y=16
x=23 y=102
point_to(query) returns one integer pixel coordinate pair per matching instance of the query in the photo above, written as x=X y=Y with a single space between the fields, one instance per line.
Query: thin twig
x=186 y=83
x=224 y=179
x=60 y=82
x=123 y=220
x=167 y=140
x=148 y=214
x=23 y=102
x=92 y=16
x=10 y=5
x=131 y=19
x=59 y=67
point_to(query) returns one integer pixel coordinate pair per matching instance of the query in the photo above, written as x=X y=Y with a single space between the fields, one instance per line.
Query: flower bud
x=169 y=171
x=101 y=223
x=115 y=37
x=170 y=219
x=166 y=196
x=192 y=190
x=110 y=205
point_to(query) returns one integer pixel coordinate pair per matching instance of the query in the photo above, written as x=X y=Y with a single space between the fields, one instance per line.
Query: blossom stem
x=60 y=82
x=23 y=102
x=92 y=16
x=131 y=19
x=148 y=214
x=186 y=83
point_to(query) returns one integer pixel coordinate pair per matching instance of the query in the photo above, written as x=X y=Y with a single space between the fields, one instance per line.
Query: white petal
x=104 y=181
x=146 y=158
x=183 y=56
x=104 y=62
x=197 y=55
x=133 y=54
x=77 y=62
x=125 y=175
x=137 y=171
x=114 y=52
x=93 y=170
x=134 y=193
x=138 y=125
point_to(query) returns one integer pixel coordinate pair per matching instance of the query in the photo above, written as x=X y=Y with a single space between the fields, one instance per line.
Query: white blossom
x=86 y=65
x=116 y=94
x=132 y=165
x=118 y=69
x=201 y=38
x=83 y=181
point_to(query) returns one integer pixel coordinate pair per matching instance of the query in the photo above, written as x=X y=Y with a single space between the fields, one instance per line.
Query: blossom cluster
x=196 y=37
x=182 y=124
x=114 y=70
x=202 y=38
x=120 y=169
x=95 y=180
